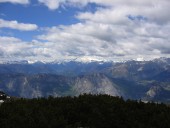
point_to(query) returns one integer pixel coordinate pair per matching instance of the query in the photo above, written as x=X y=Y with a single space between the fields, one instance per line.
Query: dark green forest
x=84 y=111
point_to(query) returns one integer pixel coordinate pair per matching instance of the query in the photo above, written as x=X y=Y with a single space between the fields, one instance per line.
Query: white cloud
x=55 y=4
x=18 y=26
x=153 y=10
x=109 y=41
x=126 y=28
x=156 y=11
x=121 y=30
x=12 y=48
x=51 y=4
x=15 y=1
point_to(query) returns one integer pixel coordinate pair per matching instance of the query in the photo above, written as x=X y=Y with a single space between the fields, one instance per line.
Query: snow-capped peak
x=140 y=59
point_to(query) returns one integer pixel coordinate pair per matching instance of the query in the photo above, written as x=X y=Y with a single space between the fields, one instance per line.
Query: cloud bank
x=18 y=26
x=120 y=30
x=15 y=1
x=123 y=29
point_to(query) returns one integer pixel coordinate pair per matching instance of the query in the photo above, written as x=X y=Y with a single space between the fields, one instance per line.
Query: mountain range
x=145 y=80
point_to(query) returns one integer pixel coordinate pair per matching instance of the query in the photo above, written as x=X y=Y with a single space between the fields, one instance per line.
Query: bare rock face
x=95 y=84
x=153 y=91
x=120 y=71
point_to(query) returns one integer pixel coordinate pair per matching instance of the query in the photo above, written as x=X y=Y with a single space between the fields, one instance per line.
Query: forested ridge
x=90 y=111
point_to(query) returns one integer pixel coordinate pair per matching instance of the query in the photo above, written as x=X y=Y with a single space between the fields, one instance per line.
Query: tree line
x=84 y=111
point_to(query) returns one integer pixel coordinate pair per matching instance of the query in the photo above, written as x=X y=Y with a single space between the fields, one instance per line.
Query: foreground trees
x=91 y=111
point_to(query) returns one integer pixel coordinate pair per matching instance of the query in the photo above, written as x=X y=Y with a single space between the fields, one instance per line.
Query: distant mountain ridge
x=72 y=68
x=146 y=80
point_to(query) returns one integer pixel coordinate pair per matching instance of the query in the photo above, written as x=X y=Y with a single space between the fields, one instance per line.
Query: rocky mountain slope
x=146 y=80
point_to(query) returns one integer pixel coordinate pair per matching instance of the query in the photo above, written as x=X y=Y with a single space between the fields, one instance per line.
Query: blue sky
x=36 y=13
x=56 y=30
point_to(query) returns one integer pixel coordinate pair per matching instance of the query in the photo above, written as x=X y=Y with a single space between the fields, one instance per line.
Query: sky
x=103 y=30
